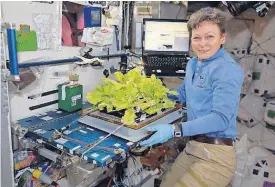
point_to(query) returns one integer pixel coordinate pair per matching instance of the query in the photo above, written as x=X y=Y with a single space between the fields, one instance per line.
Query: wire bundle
x=131 y=176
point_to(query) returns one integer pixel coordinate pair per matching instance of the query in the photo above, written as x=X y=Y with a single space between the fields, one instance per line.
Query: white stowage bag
x=251 y=110
x=255 y=165
x=98 y=36
x=263 y=74
x=269 y=113
x=242 y=156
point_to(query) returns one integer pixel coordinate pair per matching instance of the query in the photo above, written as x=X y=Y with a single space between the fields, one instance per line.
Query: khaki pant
x=202 y=165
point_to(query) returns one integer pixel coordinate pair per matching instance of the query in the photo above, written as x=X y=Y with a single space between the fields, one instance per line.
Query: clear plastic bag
x=98 y=36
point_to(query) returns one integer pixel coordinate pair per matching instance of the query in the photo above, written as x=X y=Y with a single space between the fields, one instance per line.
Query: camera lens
x=263 y=12
x=237 y=7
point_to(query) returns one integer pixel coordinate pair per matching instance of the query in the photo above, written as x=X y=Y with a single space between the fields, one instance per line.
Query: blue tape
x=13 y=65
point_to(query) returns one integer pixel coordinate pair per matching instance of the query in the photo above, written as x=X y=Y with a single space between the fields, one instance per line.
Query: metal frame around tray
x=130 y=134
x=116 y=120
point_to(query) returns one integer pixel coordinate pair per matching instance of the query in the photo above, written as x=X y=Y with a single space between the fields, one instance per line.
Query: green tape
x=271 y=113
x=256 y=75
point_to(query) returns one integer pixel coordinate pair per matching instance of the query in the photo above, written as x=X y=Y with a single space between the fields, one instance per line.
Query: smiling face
x=206 y=39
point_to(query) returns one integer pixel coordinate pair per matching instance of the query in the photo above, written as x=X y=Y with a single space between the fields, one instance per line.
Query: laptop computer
x=165 y=46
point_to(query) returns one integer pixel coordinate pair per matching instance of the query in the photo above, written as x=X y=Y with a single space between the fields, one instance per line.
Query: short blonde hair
x=207 y=14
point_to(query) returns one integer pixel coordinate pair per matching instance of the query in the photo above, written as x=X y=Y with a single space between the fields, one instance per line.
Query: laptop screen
x=166 y=36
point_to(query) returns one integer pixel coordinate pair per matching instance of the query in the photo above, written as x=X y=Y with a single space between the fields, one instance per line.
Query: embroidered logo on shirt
x=200 y=82
x=202 y=78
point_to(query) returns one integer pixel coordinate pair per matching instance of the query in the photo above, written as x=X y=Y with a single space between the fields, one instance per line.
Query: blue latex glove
x=163 y=132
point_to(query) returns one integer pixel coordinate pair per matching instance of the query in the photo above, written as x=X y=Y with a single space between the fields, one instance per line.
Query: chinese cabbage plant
x=131 y=92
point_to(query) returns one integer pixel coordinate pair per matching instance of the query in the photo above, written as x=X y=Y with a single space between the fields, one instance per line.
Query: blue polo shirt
x=211 y=90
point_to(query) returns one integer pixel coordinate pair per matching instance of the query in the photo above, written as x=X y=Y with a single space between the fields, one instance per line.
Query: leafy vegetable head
x=131 y=92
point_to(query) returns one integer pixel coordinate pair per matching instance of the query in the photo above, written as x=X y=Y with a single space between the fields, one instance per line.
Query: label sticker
x=90 y=129
x=43 y=114
x=40 y=141
x=47 y=118
x=73 y=103
x=105 y=157
x=59 y=146
x=75 y=148
x=61 y=140
x=40 y=131
x=84 y=132
x=117 y=145
x=63 y=92
x=67 y=132
x=75 y=98
x=94 y=155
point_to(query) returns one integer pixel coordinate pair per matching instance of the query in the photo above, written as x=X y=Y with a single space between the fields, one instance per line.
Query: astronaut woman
x=211 y=90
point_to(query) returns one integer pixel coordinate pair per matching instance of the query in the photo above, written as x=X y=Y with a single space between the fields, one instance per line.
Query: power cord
x=125 y=176
x=178 y=12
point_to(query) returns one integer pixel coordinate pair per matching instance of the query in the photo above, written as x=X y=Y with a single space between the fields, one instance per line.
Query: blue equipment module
x=77 y=137
x=92 y=16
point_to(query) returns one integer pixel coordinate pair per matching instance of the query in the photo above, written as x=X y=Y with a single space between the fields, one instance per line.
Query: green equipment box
x=70 y=97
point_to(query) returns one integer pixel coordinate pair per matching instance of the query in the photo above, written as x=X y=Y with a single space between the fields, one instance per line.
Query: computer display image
x=166 y=36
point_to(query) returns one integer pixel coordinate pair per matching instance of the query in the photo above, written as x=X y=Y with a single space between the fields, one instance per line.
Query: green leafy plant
x=131 y=92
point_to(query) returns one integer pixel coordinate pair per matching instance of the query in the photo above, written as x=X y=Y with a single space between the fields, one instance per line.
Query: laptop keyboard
x=165 y=65
x=166 y=62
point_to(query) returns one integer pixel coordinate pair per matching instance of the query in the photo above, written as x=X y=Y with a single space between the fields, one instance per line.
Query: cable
x=131 y=172
x=110 y=181
x=178 y=12
x=136 y=55
x=131 y=15
x=258 y=44
x=93 y=145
